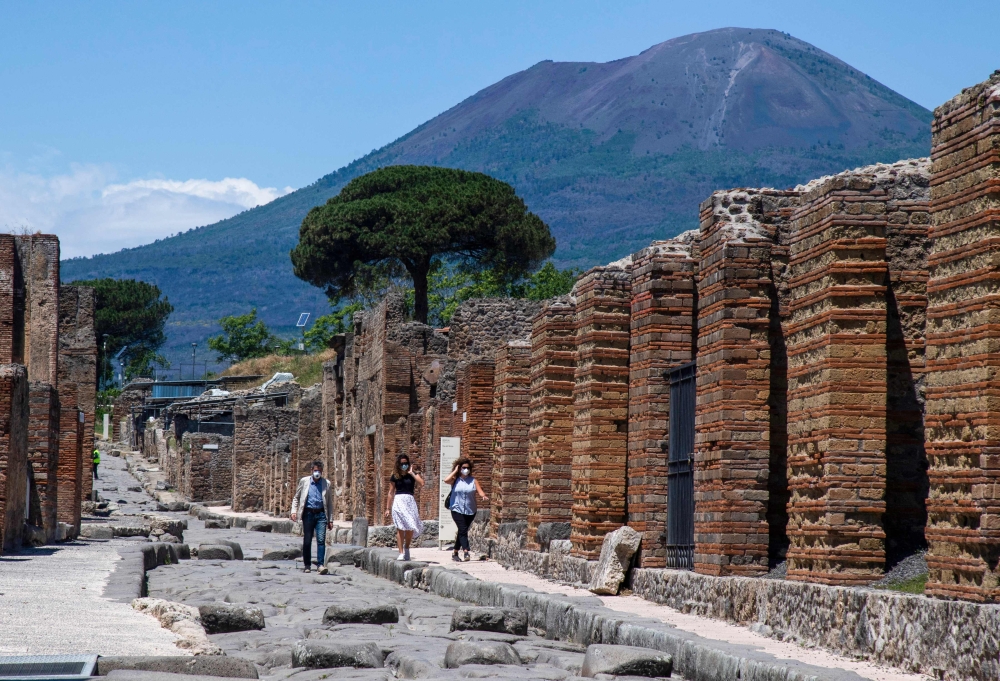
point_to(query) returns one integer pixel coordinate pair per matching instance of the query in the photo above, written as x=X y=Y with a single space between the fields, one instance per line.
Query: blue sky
x=125 y=122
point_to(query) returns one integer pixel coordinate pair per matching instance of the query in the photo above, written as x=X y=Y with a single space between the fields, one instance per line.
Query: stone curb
x=127 y=580
x=278 y=525
x=585 y=621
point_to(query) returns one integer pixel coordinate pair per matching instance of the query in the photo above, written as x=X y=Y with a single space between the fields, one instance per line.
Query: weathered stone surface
x=259 y=526
x=342 y=553
x=361 y=614
x=329 y=654
x=237 y=549
x=479 y=652
x=616 y=557
x=359 y=532
x=215 y=552
x=220 y=618
x=95 y=531
x=382 y=535
x=213 y=524
x=504 y=620
x=625 y=661
x=204 y=665
x=548 y=531
x=282 y=554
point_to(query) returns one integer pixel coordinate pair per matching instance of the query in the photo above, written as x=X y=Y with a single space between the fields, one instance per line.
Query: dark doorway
x=680 y=469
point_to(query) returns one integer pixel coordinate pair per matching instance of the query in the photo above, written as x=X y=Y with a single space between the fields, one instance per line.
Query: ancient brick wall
x=208 y=466
x=77 y=360
x=550 y=438
x=510 y=422
x=39 y=260
x=661 y=337
x=11 y=293
x=43 y=450
x=741 y=361
x=838 y=368
x=475 y=412
x=482 y=326
x=259 y=429
x=13 y=455
x=600 y=406
x=71 y=469
x=963 y=352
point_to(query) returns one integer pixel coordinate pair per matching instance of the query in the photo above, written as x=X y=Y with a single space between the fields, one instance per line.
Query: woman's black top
x=404 y=485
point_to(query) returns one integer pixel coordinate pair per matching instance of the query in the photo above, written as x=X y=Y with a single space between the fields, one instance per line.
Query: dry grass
x=307 y=369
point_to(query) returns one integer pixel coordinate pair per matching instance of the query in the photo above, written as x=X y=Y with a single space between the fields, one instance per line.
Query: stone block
x=361 y=614
x=462 y=653
x=330 y=654
x=616 y=559
x=502 y=620
x=220 y=618
x=626 y=661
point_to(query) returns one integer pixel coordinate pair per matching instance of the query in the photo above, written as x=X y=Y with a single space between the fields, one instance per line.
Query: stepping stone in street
x=220 y=618
x=626 y=661
x=361 y=614
x=215 y=552
x=502 y=620
x=326 y=655
x=479 y=652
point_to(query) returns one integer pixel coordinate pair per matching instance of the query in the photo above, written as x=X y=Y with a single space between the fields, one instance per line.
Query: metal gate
x=680 y=469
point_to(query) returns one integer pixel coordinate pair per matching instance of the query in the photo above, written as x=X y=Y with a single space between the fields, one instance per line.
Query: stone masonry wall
x=71 y=464
x=511 y=420
x=737 y=353
x=257 y=428
x=482 y=326
x=13 y=455
x=550 y=440
x=600 y=406
x=662 y=337
x=476 y=415
x=43 y=450
x=963 y=347
x=39 y=261
x=77 y=362
x=208 y=466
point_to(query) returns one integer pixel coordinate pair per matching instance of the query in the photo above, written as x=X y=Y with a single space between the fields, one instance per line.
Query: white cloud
x=92 y=213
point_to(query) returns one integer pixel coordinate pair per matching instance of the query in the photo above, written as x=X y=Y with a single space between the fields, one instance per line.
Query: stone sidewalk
x=52 y=598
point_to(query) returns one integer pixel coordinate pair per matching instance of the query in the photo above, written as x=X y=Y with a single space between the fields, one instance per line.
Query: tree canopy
x=131 y=314
x=404 y=217
x=244 y=337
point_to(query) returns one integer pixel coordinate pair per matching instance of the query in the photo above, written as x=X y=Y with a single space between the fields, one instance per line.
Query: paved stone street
x=52 y=599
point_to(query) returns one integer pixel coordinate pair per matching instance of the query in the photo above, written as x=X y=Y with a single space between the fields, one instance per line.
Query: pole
x=194 y=348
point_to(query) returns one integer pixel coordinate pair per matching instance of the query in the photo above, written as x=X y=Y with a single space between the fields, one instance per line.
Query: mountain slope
x=611 y=155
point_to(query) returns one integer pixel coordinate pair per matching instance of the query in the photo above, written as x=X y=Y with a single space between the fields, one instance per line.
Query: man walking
x=96 y=459
x=313 y=498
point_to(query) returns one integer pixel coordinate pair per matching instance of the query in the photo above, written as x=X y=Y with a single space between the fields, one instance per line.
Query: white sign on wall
x=451 y=451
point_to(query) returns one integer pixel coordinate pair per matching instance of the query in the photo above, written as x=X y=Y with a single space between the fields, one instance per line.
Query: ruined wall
x=475 y=410
x=510 y=422
x=13 y=455
x=77 y=360
x=600 y=406
x=260 y=429
x=208 y=466
x=43 y=450
x=481 y=326
x=963 y=353
x=838 y=367
x=71 y=465
x=661 y=337
x=550 y=435
x=39 y=264
x=740 y=488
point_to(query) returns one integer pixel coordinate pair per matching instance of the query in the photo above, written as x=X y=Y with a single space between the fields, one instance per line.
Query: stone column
x=13 y=455
x=963 y=347
x=740 y=395
x=661 y=337
x=511 y=419
x=550 y=450
x=838 y=342
x=600 y=406
x=43 y=450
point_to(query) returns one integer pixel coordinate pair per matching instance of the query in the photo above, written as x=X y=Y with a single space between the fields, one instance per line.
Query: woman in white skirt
x=402 y=506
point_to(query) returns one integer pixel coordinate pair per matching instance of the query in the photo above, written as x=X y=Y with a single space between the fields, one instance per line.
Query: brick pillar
x=71 y=464
x=963 y=347
x=475 y=413
x=43 y=450
x=9 y=275
x=837 y=376
x=77 y=362
x=662 y=307
x=600 y=406
x=511 y=419
x=738 y=313
x=550 y=435
x=13 y=455
x=39 y=257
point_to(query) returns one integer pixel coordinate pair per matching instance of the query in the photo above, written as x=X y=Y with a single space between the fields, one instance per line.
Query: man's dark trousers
x=313 y=520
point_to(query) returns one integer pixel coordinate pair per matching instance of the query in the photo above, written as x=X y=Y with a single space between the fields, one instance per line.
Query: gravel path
x=709 y=628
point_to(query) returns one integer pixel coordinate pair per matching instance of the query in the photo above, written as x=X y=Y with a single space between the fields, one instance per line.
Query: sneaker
x=401 y=556
x=324 y=571
x=455 y=558
x=406 y=554
x=307 y=570
x=466 y=556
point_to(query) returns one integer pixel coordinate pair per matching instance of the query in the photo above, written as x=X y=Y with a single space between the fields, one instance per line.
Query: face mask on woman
x=404 y=467
x=316 y=475
x=465 y=472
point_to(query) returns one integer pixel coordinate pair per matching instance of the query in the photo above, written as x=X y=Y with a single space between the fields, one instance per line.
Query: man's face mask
x=404 y=466
x=316 y=475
